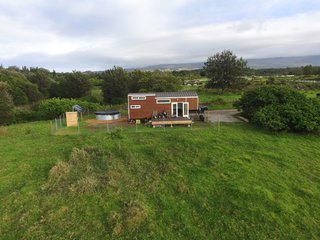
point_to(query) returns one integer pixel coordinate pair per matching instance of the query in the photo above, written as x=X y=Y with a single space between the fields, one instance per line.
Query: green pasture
x=238 y=182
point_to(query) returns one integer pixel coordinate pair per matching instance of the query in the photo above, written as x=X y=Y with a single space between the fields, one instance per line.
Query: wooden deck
x=171 y=121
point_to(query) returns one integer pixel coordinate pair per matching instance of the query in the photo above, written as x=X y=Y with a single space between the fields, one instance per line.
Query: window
x=138 y=98
x=135 y=106
x=163 y=101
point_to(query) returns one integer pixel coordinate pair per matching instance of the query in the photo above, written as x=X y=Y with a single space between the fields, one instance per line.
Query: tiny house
x=173 y=104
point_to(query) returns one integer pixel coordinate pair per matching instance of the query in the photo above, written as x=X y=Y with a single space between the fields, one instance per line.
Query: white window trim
x=172 y=106
x=184 y=104
x=138 y=97
x=135 y=106
x=167 y=99
x=177 y=97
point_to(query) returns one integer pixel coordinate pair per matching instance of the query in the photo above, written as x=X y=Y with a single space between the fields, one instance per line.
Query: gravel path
x=223 y=115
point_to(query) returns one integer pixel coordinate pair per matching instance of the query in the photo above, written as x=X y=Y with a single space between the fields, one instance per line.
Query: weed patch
x=131 y=216
x=3 y=131
x=77 y=176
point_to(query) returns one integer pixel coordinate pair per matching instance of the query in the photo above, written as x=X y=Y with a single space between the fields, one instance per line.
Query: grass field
x=215 y=100
x=180 y=183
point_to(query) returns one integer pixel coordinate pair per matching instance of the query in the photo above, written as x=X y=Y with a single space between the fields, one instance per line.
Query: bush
x=116 y=134
x=25 y=115
x=6 y=104
x=54 y=107
x=280 y=108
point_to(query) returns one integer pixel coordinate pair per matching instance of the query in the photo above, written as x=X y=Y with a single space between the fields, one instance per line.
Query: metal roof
x=177 y=94
x=141 y=94
x=167 y=94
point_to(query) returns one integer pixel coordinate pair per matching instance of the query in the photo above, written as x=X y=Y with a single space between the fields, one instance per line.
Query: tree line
x=22 y=89
x=117 y=83
x=29 y=85
x=297 y=71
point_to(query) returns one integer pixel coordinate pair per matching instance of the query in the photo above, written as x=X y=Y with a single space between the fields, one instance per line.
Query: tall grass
x=236 y=183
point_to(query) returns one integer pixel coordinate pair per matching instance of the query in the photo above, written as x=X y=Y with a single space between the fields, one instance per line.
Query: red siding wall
x=150 y=105
x=146 y=110
x=193 y=102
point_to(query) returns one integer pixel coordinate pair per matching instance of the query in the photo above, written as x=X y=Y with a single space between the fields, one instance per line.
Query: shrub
x=280 y=108
x=116 y=133
x=54 y=107
x=6 y=104
x=268 y=117
x=25 y=115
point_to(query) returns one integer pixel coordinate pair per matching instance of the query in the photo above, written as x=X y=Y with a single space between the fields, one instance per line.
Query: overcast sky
x=70 y=35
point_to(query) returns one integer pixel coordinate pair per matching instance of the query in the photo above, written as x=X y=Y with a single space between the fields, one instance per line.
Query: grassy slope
x=180 y=183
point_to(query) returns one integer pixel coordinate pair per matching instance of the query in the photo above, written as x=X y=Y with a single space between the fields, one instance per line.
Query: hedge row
x=52 y=108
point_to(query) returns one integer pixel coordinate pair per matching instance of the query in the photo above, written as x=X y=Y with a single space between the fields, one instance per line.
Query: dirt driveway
x=223 y=115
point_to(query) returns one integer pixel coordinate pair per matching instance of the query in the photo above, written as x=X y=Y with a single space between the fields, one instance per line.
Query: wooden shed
x=173 y=104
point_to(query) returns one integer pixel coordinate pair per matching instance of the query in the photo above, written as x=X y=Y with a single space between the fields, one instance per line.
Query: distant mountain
x=172 y=67
x=277 y=62
x=283 y=62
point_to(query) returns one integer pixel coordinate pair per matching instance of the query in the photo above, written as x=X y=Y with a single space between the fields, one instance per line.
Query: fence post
x=56 y=124
x=78 y=124
x=51 y=127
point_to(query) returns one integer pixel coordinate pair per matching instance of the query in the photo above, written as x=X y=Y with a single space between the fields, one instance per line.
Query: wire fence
x=88 y=124
x=59 y=125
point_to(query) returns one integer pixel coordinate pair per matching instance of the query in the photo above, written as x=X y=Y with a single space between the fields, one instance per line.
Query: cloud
x=68 y=35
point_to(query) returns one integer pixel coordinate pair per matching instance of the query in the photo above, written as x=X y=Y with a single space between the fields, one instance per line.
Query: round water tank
x=107 y=115
x=116 y=116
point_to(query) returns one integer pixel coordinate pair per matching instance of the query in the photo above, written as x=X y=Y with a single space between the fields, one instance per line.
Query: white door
x=174 y=111
x=185 y=109
x=180 y=109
